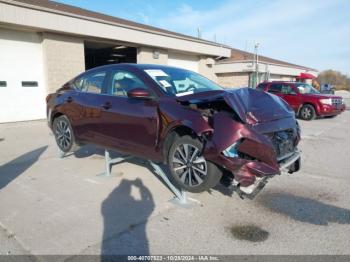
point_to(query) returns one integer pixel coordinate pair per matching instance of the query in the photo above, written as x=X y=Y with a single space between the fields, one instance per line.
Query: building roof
x=59 y=7
x=238 y=55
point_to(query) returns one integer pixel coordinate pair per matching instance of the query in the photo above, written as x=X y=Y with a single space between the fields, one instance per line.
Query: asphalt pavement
x=50 y=205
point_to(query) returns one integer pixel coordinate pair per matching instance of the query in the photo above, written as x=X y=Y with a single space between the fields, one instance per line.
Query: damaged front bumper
x=251 y=157
x=290 y=163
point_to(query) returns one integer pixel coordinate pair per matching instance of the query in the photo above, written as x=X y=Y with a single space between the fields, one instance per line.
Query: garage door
x=22 y=92
x=183 y=61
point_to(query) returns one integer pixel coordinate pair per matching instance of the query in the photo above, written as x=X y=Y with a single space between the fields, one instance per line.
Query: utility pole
x=256 y=54
x=199 y=32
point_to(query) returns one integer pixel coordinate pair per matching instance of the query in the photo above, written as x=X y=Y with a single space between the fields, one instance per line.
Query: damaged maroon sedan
x=204 y=133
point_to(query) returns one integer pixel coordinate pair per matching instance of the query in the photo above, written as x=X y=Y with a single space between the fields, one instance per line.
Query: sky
x=312 y=33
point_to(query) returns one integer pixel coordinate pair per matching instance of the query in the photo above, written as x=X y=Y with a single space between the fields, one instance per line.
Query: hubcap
x=188 y=165
x=306 y=113
x=63 y=134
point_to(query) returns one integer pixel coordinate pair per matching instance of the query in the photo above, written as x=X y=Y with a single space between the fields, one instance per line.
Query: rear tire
x=64 y=134
x=307 y=112
x=188 y=168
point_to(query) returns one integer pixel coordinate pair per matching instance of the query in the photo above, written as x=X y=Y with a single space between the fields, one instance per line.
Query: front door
x=129 y=124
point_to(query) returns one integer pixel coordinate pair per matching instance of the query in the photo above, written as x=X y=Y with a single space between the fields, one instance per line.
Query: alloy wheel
x=306 y=113
x=188 y=165
x=63 y=134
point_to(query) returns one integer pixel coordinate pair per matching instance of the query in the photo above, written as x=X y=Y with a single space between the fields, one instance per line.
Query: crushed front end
x=254 y=136
x=251 y=154
x=253 y=146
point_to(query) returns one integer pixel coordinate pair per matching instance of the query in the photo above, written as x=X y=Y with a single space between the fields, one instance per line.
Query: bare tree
x=335 y=78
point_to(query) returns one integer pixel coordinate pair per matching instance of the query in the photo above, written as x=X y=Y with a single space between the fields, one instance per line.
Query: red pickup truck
x=306 y=101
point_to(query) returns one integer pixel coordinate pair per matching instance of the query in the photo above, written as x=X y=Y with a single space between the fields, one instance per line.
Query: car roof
x=285 y=82
x=131 y=65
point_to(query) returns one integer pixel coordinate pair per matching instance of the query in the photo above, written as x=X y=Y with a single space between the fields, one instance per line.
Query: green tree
x=338 y=80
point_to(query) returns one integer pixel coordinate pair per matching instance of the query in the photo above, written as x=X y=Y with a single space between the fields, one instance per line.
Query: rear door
x=286 y=92
x=276 y=89
x=84 y=105
x=129 y=124
x=290 y=95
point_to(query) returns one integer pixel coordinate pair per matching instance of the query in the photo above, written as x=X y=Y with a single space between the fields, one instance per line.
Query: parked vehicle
x=306 y=101
x=174 y=116
x=327 y=89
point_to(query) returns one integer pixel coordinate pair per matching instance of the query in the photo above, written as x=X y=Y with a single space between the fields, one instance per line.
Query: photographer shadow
x=124 y=207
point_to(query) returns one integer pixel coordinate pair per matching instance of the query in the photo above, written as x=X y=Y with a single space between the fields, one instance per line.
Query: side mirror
x=139 y=93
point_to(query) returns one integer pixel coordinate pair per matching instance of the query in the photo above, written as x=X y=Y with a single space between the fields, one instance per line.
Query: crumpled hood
x=251 y=106
x=254 y=106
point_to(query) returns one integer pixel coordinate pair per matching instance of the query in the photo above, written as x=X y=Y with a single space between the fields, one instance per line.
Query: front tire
x=188 y=168
x=64 y=135
x=307 y=112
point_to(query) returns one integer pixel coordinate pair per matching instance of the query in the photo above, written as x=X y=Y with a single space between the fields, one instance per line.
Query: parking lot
x=50 y=205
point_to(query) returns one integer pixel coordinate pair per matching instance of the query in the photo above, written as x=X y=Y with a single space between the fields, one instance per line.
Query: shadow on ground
x=93 y=151
x=17 y=166
x=305 y=209
x=120 y=208
x=131 y=203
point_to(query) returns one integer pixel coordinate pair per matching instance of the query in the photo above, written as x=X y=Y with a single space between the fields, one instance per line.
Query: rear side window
x=91 y=83
x=261 y=86
x=275 y=88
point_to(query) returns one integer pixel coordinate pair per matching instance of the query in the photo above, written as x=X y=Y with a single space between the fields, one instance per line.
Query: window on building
x=29 y=83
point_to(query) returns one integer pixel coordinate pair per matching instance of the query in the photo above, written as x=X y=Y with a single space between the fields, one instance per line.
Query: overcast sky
x=313 y=33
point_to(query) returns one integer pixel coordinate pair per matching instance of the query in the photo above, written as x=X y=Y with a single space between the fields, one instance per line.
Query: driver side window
x=123 y=81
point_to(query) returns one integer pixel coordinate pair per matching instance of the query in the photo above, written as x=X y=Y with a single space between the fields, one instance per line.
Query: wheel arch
x=54 y=116
x=177 y=131
x=311 y=104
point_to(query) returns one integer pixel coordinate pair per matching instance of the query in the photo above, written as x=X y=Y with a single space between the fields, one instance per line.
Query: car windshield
x=179 y=82
x=306 y=89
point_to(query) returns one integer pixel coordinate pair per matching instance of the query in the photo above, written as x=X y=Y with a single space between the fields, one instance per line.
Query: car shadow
x=11 y=170
x=121 y=207
x=305 y=209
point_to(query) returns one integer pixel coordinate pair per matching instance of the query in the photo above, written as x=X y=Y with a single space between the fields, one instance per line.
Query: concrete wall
x=233 y=79
x=63 y=59
x=273 y=69
x=207 y=69
x=281 y=77
x=145 y=56
x=183 y=60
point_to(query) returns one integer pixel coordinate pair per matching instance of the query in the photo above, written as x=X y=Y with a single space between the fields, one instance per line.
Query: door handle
x=69 y=99
x=107 y=105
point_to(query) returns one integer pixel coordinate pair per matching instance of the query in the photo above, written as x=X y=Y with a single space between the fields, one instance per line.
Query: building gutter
x=266 y=63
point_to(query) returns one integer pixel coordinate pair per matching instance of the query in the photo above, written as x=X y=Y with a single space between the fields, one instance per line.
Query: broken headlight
x=232 y=151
